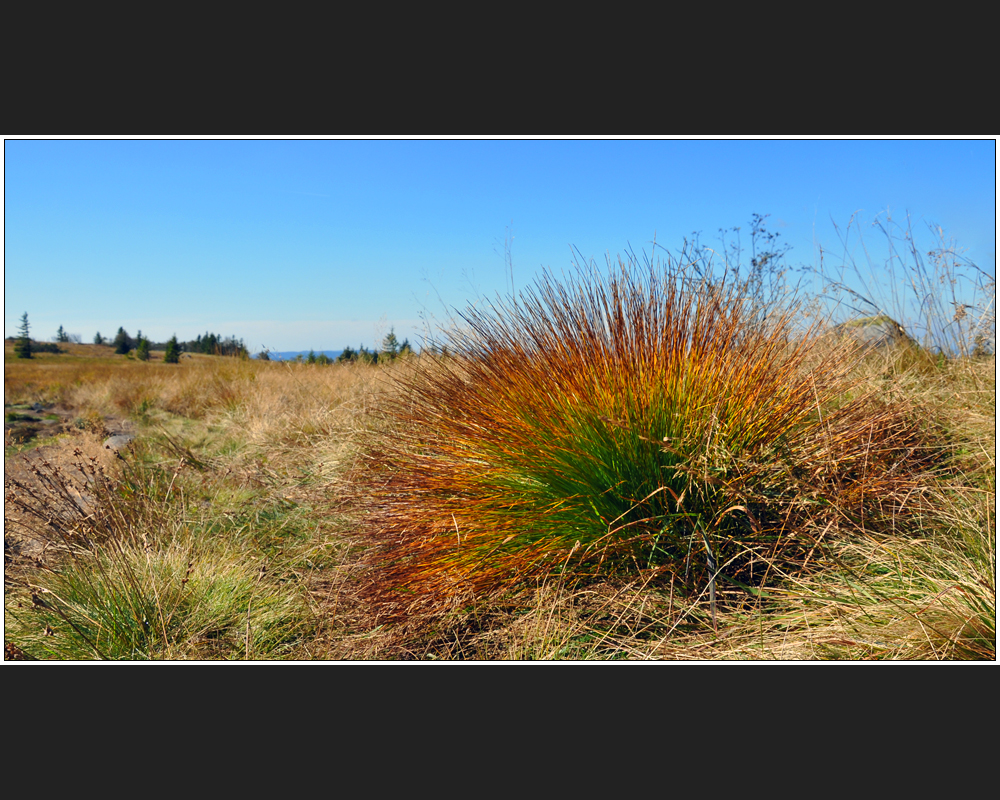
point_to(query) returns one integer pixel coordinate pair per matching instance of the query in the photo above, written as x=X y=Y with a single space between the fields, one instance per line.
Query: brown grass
x=263 y=474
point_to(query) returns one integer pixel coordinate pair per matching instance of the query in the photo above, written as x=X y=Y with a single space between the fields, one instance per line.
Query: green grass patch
x=143 y=575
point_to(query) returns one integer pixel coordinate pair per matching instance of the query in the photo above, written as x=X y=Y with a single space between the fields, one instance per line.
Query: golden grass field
x=261 y=506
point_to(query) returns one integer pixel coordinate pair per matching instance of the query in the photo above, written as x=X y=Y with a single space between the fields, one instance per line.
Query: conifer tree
x=122 y=343
x=390 y=344
x=22 y=348
x=142 y=349
x=61 y=335
x=173 y=353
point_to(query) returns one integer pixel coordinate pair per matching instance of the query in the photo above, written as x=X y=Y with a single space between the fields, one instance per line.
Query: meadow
x=639 y=464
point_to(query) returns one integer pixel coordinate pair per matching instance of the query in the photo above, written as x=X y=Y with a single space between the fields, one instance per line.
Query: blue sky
x=299 y=244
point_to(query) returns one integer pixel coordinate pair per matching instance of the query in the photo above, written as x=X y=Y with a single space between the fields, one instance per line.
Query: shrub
x=645 y=421
x=46 y=347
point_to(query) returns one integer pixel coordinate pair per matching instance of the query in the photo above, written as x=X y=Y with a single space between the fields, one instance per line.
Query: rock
x=118 y=441
x=876 y=333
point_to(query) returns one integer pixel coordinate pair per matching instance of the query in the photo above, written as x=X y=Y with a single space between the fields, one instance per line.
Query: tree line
x=391 y=349
x=209 y=344
x=212 y=344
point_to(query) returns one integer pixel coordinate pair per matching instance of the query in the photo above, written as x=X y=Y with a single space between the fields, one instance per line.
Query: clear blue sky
x=298 y=244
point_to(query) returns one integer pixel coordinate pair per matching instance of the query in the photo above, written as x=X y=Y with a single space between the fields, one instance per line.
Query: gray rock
x=118 y=441
x=876 y=333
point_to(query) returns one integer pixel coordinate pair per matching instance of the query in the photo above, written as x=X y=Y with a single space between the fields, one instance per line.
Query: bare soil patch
x=48 y=487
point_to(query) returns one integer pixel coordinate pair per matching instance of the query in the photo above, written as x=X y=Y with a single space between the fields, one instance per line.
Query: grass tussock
x=127 y=572
x=643 y=422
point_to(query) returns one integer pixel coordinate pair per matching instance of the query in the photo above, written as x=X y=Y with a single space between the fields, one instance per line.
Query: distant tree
x=98 y=339
x=212 y=344
x=264 y=355
x=22 y=347
x=311 y=358
x=347 y=354
x=232 y=346
x=323 y=359
x=173 y=353
x=390 y=344
x=61 y=335
x=142 y=349
x=435 y=349
x=122 y=342
x=75 y=338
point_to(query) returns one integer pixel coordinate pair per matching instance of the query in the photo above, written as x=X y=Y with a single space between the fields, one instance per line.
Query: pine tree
x=142 y=349
x=173 y=353
x=390 y=344
x=61 y=335
x=22 y=348
x=98 y=339
x=122 y=343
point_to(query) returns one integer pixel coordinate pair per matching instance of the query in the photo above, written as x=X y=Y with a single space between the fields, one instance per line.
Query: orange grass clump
x=645 y=420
